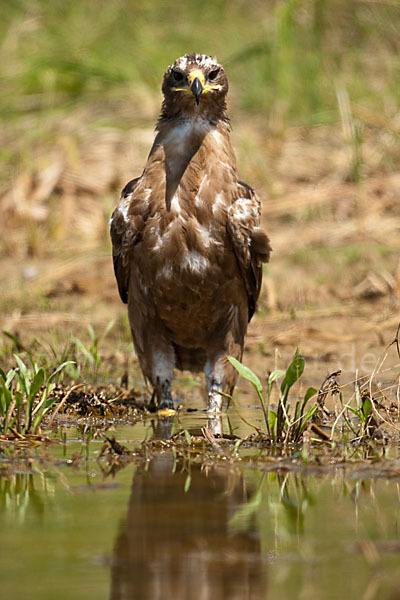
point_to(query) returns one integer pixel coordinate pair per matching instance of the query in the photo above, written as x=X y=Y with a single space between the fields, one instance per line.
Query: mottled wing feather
x=122 y=232
x=250 y=243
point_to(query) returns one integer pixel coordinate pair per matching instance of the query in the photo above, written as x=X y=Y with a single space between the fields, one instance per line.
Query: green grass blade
x=59 y=368
x=306 y=418
x=357 y=412
x=46 y=405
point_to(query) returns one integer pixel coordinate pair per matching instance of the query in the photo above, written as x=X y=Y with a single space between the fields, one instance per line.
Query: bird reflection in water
x=175 y=541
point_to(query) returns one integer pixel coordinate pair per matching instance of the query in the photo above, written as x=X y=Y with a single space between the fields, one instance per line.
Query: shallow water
x=161 y=528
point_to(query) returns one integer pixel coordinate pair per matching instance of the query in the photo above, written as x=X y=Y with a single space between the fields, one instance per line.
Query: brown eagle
x=187 y=242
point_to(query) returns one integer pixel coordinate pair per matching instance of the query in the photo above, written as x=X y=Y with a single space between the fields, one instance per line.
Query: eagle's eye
x=213 y=74
x=178 y=76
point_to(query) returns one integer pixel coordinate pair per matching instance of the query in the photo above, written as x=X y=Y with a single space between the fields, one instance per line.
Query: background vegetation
x=314 y=105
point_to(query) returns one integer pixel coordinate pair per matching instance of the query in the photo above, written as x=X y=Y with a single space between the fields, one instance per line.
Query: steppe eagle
x=187 y=242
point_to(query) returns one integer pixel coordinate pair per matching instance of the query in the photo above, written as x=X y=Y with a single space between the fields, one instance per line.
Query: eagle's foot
x=166 y=402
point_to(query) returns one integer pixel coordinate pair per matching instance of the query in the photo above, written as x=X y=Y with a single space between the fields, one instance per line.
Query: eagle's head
x=194 y=84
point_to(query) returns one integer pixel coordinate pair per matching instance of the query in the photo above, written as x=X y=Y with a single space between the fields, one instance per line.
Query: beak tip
x=197 y=89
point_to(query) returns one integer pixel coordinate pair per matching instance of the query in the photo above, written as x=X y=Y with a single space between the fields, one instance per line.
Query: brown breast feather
x=188 y=228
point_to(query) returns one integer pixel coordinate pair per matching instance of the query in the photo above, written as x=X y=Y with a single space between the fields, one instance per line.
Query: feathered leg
x=214 y=372
x=221 y=376
x=157 y=361
x=162 y=362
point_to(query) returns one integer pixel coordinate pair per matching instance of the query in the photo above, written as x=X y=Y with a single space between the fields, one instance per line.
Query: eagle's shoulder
x=250 y=243
x=120 y=218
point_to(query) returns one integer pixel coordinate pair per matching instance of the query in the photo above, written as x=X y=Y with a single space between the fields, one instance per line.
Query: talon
x=166 y=412
x=166 y=403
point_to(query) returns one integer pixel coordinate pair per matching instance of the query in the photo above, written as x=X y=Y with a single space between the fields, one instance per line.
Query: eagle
x=187 y=243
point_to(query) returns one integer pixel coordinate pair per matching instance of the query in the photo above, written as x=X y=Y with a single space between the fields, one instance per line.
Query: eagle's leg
x=216 y=383
x=214 y=399
x=156 y=356
x=221 y=377
x=163 y=361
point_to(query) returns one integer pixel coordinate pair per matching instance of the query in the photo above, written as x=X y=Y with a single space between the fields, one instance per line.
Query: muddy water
x=165 y=529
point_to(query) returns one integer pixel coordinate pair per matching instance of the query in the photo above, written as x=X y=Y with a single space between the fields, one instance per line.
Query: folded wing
x=124 y=235
x=250 y=244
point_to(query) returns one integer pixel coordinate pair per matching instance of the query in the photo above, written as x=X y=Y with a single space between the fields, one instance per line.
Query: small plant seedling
x=282 y=425
x=25 y=396
x=363 y=412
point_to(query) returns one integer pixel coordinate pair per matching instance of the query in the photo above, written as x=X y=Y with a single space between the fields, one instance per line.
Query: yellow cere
x=196 y=73
x=192 y=76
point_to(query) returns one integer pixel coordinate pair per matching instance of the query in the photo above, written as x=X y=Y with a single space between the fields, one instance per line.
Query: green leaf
x=3 y=404
x=10 y=376
x=246 y=373
x=91 y=433
x=307 y=417
x=6 y=394
x=309 y=394
x=358 y=396
x=366 y=407
x=36 y=384
x=18 y=399
x=272 y=420
x=275 y=375
x=354 y=411
x=43 y=410
x=73 y=371
x=22 y=366
x=22 y=374
x=50 y=402
x=236 y=446
x=14 y=339
x=357 y=412
x=188 y=437
x=59 y=368
x=293 y=373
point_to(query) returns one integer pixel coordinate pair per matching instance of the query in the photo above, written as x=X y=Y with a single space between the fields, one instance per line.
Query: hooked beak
x=197 y=89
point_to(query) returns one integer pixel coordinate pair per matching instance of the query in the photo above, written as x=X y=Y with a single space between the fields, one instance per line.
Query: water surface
x=167 y=528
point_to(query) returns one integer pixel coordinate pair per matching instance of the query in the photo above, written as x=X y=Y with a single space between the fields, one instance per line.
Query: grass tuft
x=283 y=425
x=26 y=396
